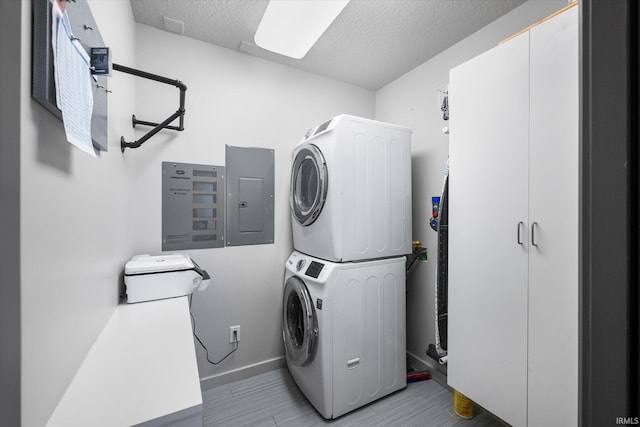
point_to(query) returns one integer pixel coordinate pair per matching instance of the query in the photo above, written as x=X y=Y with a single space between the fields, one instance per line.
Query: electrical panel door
x=250 y=195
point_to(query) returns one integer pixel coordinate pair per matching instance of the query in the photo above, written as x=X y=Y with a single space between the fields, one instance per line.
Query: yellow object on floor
x=462 y=405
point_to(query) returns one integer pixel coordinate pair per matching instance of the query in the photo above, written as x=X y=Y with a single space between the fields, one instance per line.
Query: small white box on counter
x=149 y=277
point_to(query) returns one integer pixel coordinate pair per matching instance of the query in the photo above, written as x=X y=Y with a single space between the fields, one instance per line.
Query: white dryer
x=351 y=190
x=344 y=330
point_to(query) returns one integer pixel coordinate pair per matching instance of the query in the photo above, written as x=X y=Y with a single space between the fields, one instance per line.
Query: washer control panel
x=314 y=269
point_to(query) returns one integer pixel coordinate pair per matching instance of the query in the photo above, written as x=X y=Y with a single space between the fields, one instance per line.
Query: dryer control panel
x=309 y=268
x=314 y=269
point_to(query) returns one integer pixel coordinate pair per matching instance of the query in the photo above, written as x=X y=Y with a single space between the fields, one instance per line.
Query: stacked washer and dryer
x=344 y=298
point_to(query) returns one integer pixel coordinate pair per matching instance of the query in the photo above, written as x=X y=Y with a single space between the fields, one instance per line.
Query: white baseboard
x=438 y=372
x=242 y=373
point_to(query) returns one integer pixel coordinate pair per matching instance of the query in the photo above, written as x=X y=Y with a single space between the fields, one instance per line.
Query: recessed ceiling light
x=292 y=27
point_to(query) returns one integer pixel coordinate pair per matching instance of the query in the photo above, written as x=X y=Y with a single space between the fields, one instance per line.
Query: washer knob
x=300 y=264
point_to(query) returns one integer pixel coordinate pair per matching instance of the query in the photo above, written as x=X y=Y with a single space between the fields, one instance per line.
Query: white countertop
x=141 y=369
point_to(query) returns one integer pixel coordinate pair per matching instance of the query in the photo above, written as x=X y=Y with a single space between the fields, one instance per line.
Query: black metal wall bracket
x=157 y=127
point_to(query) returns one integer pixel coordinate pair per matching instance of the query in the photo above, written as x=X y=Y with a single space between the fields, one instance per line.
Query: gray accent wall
x=610 y=167
x=10 y=213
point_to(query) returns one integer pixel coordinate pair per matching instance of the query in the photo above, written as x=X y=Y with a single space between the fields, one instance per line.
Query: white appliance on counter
x=149 y=277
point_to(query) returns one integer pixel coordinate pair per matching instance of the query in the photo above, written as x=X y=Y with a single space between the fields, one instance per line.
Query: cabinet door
x=489 y=101
x=553 y=212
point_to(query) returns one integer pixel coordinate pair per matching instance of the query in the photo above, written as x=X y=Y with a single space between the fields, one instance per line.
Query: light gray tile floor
x=273 y=399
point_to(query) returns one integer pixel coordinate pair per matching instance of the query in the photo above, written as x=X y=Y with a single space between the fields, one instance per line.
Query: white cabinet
x=487 y=331
x=513 y=233
x=553 y=213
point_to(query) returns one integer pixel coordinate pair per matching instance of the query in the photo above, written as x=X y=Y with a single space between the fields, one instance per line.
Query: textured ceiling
x=371 y=43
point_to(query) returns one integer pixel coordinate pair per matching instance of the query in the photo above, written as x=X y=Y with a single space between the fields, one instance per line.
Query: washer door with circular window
x=309 y=183
x=300 y=326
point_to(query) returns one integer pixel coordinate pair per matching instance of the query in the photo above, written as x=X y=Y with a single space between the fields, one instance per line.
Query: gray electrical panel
x=250 y=195
x=192 y=206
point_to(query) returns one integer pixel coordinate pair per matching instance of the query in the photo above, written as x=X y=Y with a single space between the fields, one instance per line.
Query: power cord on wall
x=193 y=325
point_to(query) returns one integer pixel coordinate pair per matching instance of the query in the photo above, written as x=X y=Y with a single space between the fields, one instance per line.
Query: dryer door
x=300 y=326
x=309 y=183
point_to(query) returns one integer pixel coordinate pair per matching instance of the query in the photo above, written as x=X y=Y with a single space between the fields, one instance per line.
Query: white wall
x=411 y=100
x=75 y=226
x=239 y=100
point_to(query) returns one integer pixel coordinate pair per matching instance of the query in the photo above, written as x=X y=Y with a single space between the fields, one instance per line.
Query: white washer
x=344 y=330
x=351 y=190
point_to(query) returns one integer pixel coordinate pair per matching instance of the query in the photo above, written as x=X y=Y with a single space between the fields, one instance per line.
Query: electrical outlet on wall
x=234 y=333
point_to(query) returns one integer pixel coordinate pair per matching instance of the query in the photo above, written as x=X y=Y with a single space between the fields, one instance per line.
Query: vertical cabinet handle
x=520 y=224
x=533 y=234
